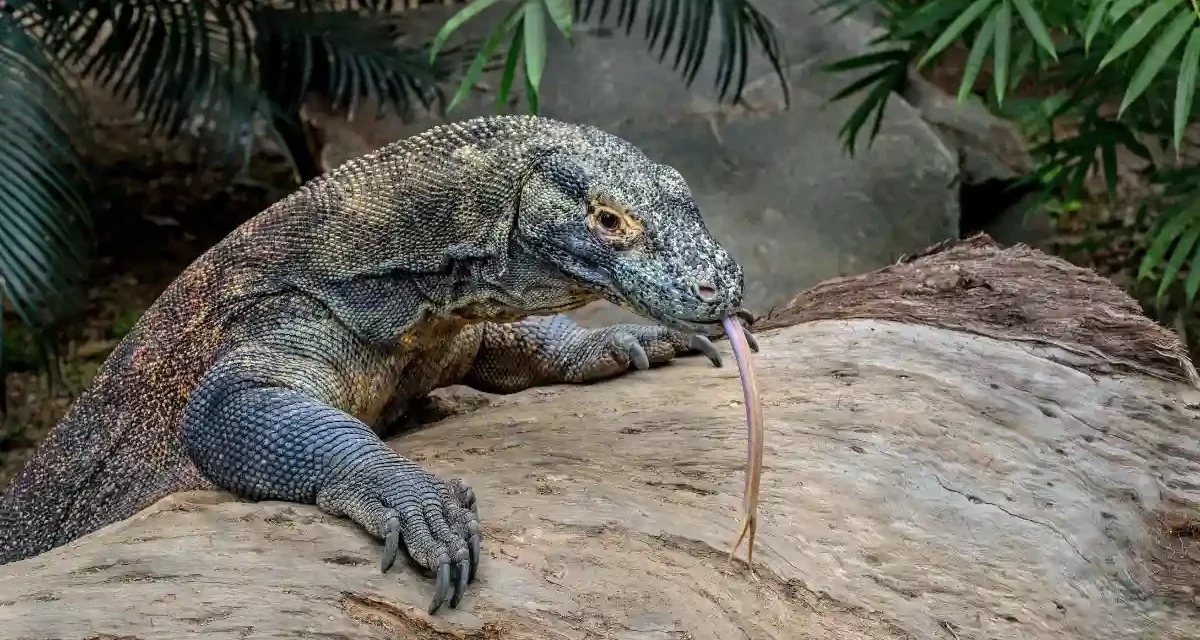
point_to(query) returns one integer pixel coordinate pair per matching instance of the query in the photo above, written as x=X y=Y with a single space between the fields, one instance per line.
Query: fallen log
x=972 y=443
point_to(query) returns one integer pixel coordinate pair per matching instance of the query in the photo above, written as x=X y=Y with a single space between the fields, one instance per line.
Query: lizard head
x=612 y=221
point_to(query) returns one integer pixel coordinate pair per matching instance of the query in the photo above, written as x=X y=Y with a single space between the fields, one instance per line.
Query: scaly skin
x=269 y=366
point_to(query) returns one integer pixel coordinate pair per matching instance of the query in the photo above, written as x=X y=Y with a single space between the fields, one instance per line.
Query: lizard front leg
x=263 y=424
x=554 y=349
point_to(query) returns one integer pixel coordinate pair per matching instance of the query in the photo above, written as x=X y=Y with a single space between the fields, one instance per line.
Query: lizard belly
x=383 y=394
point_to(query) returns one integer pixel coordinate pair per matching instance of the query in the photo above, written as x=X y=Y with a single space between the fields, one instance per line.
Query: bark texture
x=972 y=443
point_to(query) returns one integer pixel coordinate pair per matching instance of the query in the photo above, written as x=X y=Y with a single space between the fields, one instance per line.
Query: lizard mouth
x=708 y=328
x=741 y=313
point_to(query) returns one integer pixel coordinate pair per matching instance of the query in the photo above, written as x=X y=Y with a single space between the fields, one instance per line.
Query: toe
x=634 y=350
x=704 y=345
x=465 y=495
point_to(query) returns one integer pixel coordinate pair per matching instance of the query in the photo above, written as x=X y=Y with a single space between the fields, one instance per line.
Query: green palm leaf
x=233 y=63
x=345 y=56
x=43 y=216
x=210 y=69
x=684 y=23
x=687 y=23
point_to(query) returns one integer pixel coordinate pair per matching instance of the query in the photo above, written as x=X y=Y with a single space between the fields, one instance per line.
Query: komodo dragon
x=272 y=364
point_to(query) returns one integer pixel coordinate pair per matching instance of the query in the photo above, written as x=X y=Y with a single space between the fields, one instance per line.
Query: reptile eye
x=609 y=220
x=613 y=226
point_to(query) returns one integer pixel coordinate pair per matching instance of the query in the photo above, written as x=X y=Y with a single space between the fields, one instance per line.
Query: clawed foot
x=595 y=354
x=435 y=521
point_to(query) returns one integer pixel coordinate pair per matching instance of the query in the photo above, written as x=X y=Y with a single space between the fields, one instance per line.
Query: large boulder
x=971 y=444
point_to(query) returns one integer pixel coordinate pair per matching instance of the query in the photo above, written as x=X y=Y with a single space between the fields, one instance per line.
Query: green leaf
x=928 y=15
x=955 y=29
x=1108 y=157
x=1185 y=86
x=881 y=75
x=975 y=58
x=485 y=54
x=686 y=26
x=1182 y=251
x=561 y=13
x=44 y=220
x=1036 y=27
x=1003 y=45
x=867 y=60
x=1138 y=31
x=474 y=8
x=886 y=80
x=1122 y=8
x=510 y=69
x=1175 y=221
x=1094 y=21
x=531 y=95
x=535 y=43
x=1157 y=57
x=1192 y=285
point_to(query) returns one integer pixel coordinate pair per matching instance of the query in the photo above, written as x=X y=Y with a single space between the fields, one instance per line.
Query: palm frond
x=343 y=56
x=218 y=68
x=687 y=24
x=44 y=220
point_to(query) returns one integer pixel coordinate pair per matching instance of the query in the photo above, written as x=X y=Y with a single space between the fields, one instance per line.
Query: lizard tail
x=92 y=470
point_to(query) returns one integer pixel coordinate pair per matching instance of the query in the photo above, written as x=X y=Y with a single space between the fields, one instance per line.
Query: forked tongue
x=754 y=439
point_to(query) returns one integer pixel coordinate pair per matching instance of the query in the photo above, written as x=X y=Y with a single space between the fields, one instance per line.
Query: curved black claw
x=474 y=544
x=462 y=575
x=747 y=319
x=705 y=346
x=442 y=590
x=751 y=340
x=637 y=353
x=391 y=540
x=432 y=521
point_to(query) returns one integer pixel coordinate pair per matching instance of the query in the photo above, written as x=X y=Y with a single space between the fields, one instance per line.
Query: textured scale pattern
x=271 y=364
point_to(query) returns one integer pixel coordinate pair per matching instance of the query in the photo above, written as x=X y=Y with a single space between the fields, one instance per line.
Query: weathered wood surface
x=973 y=444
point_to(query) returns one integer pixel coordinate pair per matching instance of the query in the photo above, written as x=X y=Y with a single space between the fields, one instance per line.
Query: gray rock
x=775 y=185
x=992 y=155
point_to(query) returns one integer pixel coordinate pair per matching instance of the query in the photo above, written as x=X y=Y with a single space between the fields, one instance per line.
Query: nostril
x=706 y=292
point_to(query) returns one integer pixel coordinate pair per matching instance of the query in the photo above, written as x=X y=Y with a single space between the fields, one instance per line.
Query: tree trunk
x=972 y=443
